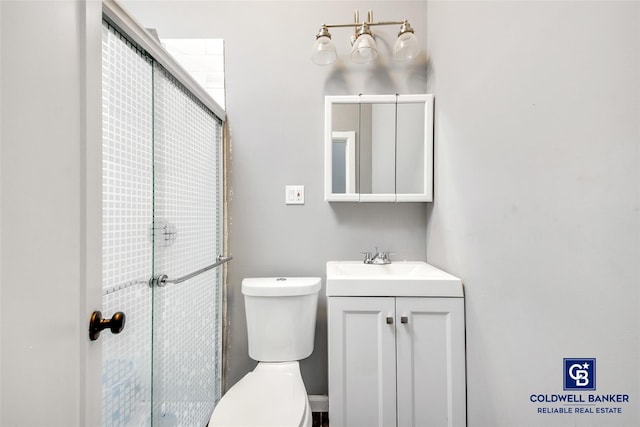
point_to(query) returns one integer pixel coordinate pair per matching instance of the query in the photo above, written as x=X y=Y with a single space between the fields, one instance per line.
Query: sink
x=402 y=278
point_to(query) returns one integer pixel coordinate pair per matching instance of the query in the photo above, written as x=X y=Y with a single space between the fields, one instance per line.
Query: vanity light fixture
x=364 y=47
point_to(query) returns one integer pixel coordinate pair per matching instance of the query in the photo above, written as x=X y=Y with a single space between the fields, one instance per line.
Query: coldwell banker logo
x=579 y=381
x=579 y=374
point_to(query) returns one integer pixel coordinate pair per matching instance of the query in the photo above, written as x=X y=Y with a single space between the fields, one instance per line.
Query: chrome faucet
x=380 y=258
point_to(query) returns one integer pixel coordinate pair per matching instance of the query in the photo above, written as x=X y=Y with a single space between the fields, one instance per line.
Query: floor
x=320 y=419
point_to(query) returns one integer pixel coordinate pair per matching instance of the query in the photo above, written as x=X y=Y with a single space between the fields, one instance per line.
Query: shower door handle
x=162 y=280
x=97 y=324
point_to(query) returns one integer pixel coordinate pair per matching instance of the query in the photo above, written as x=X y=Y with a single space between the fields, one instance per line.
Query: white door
x=362 y=361
x=431 y=363
x=50 y=230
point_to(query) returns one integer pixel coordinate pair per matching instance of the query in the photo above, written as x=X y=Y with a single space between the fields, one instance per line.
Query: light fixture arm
x=355 y=28
x=359 y=24
x=368 y=22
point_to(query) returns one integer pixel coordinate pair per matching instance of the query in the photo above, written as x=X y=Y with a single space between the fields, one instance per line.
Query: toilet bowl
x=273 y=394
x=281 y=315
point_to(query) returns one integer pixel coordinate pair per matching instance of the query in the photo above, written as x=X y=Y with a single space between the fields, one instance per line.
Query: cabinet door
x=431 y=362
x=362 y=362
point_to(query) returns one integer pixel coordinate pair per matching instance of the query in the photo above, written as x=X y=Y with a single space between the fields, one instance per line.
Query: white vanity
x=396 y=345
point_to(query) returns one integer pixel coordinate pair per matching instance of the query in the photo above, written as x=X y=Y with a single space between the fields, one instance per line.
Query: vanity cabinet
x=396 y=361
x=379 y=148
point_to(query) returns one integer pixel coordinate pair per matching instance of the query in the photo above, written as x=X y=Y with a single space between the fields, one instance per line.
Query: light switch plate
x=294 y=194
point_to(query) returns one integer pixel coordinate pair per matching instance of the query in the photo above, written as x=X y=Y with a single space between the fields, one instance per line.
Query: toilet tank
x=281 y=317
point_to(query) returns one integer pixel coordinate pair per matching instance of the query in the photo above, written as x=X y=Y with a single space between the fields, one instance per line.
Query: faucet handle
x=385 y=255
x=367 y=256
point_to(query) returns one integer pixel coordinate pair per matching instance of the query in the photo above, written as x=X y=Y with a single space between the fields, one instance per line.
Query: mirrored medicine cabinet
x=379 y=148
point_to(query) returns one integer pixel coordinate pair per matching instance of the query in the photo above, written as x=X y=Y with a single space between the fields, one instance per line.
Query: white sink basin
x=402 y=278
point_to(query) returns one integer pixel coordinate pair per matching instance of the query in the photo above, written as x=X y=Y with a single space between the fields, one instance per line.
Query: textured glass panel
x=127 y=217
x=187 y=366
x=187 y=325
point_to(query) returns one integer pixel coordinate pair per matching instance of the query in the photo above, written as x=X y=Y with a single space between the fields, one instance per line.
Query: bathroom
x=536 y=190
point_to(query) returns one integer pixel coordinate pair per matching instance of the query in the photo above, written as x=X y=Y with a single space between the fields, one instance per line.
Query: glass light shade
x=324 y=51
x=364 y=49
x=406 y=47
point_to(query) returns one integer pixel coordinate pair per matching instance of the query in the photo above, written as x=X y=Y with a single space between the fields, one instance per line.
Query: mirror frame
x=426 y=196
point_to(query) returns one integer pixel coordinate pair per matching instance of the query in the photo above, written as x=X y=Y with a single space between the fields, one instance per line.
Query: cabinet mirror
x=378 y=148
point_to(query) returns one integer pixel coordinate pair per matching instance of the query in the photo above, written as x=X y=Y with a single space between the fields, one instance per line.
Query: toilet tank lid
x=280 y=286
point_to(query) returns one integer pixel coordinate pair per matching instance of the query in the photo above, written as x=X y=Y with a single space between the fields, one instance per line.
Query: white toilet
x=281 y=320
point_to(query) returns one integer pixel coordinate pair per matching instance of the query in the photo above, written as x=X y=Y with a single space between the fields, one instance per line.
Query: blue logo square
x=580 y=374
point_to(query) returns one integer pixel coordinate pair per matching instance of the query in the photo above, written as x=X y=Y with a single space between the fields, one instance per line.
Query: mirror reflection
x=344 y=140
x=410 y=148
x=377 y=148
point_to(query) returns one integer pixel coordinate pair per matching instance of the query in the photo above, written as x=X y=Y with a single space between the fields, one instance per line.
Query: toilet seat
x=272 y=395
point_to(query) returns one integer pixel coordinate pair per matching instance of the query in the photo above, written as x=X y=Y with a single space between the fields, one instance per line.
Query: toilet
x=281 y=320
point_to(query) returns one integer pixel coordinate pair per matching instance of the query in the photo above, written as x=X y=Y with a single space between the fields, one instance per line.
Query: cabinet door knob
x=404 y=319
x=389 y=320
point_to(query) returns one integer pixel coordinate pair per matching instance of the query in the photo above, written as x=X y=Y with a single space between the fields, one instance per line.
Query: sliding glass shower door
x=127 y=216
x=187 y=216
x=161 y=216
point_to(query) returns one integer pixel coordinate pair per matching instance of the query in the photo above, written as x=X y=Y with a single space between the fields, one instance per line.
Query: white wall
x=537 y=197
x=275 y=106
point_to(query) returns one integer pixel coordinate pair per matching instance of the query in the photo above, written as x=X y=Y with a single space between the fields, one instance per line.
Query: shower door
x=127 y=217
x=161 y=215
x=187 y=216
